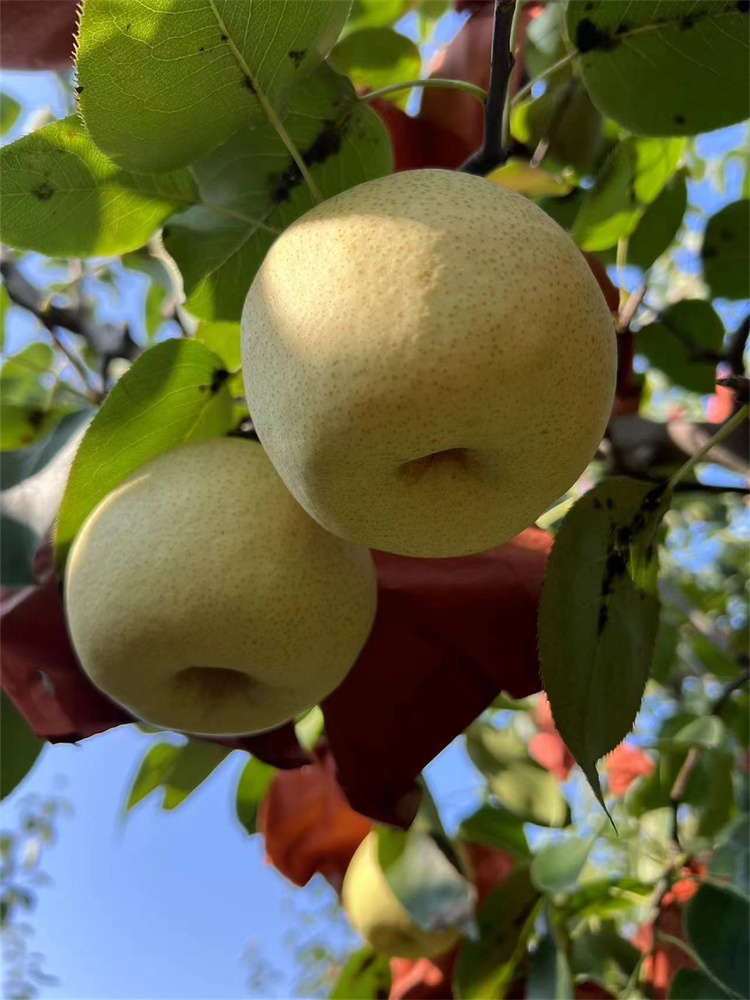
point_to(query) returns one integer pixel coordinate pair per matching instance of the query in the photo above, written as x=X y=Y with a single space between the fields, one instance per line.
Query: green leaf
x=376 y=57
x=726 y=251
x=545 y=44
x=153 y=310
x=532 y=793
x=18 y=545
x=19 y=748
x=486 y=967
x=495 y=827
x=374 y=13
x=664 y=68
x=707 y=731
x=604 y=897
x=677 y=343
x=604 y=957
x=717 y=922
x=63 y=198
x=518 y=175
x=599 y=615
x=549 y=973
x=257 y=190
x=15 y=466
x=10 y=109
x=557 y=867
x=564 y=117
x=175 y=392
x=366 y=976
x=632 y=177
x=251 y=788
x=153 y=772
x=165 y=82
x=692 y=984
x=731 y=859
x=223 y=339
x=659 y=224
x=196 y=760
x=523 y=787
x=424 y=881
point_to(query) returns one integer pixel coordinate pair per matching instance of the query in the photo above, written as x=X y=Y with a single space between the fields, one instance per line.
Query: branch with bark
x=493 y=152
x=106 y=340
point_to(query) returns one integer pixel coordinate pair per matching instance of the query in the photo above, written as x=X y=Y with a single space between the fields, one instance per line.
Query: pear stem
x=494 y=149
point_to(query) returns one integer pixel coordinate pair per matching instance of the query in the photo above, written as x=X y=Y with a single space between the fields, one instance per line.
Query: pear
x=429 y=362
x=376 y=913
x=202 y=598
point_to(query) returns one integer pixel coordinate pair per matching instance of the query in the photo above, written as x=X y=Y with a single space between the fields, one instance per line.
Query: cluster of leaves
x=20 y=877
x=200 y=131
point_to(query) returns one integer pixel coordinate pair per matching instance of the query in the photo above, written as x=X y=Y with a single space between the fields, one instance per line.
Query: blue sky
x=165 y=905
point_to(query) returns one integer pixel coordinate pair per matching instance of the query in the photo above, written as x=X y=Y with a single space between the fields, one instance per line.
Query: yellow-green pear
x=376 y=913
x=429 y=362
x=202 y=598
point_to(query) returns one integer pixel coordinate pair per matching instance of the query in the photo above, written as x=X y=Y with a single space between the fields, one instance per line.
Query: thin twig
x=433 y=81
x=493 y=151
x=105 y=340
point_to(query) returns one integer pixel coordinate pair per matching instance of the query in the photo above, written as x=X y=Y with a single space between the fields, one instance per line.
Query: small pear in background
x=376 y=913
x=429 y=362
x=202 y=598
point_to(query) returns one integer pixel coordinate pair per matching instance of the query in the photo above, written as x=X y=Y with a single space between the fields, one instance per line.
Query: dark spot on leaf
x=624 y=535
x=726 y=234
x=43 y=191
x=597 y=505
x=617 y=563
x=650 y=552
x=743 y=6
x=621 y=29
x=219 y=378
x=225 y=38
x=79 y=90
x=652 y=499
x=638 y=523
x=603 y=616
x=127 y=26
x=679 y=119
x=325 y=144
x=610 y=504
x=35 y=418
x=202 y=48
x=247 y=83
x=297 y=55
x=686 y=23
x=708 y=252
x=590 y=37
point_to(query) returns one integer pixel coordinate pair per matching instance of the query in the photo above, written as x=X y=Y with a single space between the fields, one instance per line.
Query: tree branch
x=647 y=449
x=106 y=340
x=493 y=152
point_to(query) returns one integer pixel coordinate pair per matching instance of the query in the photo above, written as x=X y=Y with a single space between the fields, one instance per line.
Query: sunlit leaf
x=664 y=68
x=376 y=57
x=166 y=81
x=174 y=393
x=256 y=190
x=63 y=198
